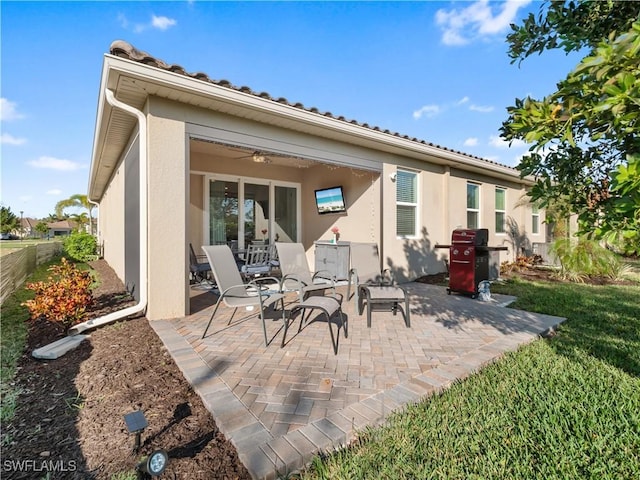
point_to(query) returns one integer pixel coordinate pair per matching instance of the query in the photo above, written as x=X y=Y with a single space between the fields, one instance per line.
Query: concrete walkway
x=281 y=406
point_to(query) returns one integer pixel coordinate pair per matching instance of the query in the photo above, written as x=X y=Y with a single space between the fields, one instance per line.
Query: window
x=473 y=205
x=535 y=219
x=501 y=214
x=406 y=203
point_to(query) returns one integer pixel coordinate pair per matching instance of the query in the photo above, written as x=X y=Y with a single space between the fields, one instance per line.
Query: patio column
x=167 y=187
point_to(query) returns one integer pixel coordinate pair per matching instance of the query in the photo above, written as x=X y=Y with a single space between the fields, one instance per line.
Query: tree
x=80 y=219
x=585 y=135
x=8 y=220
x=76 y=201
x=570 y=26
x=42 y=228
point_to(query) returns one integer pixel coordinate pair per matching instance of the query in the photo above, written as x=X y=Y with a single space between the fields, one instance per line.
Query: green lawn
x=8 y=246
x=567 y=407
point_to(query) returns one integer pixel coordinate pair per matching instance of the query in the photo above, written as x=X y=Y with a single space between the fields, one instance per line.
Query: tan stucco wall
x=361 y=222
x=413 y=257
x=111 y=225
x=167 y=182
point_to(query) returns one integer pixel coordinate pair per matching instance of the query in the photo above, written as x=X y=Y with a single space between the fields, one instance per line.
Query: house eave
x=133 y=82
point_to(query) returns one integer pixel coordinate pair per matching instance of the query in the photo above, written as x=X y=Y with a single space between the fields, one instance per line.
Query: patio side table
x=384 y=295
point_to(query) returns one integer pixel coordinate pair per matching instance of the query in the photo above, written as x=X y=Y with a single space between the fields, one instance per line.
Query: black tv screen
x=330 y=200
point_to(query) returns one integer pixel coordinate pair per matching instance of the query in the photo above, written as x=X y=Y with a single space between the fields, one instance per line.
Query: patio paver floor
x=280 y=406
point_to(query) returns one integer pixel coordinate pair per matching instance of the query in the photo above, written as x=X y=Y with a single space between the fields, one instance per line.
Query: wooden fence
x=18 y=265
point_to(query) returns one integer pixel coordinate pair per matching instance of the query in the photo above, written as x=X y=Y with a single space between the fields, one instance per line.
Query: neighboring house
x=61 y=228
x=180 y=158
x=28 y=227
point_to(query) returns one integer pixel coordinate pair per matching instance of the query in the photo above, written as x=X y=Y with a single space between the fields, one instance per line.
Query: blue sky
x=434 y=70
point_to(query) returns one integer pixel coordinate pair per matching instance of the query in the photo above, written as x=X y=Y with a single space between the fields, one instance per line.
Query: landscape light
x=155 y=463
x=136 y=423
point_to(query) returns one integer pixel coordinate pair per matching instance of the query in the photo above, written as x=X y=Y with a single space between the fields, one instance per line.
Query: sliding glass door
x=223 y=212
x=256 y=212
x=245 y=210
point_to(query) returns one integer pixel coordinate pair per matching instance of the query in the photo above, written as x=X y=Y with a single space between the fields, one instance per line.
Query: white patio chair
x=234 y=293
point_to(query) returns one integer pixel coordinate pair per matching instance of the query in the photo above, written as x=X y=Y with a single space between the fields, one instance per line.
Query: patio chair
x=234 y=293
x=198 y=266
x=365 y=269
x=296 y=274
x=257 y=261
x=328 y=307
x=375 y=287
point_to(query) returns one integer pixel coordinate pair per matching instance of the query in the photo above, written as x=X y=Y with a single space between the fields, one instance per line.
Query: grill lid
x=476 y=237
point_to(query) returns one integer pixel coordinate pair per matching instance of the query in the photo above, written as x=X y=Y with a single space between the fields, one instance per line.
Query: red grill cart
x=468 y=260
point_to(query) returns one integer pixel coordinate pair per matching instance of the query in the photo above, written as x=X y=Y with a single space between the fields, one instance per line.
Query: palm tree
x=76 y=201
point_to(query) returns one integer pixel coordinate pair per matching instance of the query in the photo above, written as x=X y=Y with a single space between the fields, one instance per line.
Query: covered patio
x=281 y=406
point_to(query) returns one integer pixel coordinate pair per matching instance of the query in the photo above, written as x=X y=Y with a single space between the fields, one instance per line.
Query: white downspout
x=142 y=304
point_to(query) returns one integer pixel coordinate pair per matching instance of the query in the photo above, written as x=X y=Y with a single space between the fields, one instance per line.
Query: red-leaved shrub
x=64 y=297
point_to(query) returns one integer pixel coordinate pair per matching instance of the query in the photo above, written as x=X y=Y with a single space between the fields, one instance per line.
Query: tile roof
x=123 y=49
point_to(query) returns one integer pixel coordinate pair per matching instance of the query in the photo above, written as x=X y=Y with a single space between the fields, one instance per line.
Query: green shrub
x=586 y=258
x=81 y=246
x=64 y=297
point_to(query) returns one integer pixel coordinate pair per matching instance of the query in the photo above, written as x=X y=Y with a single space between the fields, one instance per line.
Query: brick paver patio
x=280 y=406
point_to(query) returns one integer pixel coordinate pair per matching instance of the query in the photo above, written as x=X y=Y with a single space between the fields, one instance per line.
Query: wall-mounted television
x=330 y=200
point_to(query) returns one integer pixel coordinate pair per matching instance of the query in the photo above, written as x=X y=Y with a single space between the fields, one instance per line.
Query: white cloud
x=52 y=163
x=427 y=111
x=8 y=111
x=480 y=108
x=54 y=191
x=8 y=139
x=498 y=142
x=162 y=22
x=460 y=27
x=462 y=101
x=122 y=20
x=159 y=22
x=25 y=198
x=471 y=142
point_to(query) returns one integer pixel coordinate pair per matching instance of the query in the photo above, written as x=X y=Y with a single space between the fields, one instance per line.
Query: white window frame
x=414 y=205
x=503 y=211
x=535 y=220
x=474 y=210
x=208 y=177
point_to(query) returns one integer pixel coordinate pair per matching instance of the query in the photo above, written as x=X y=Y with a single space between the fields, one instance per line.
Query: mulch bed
x=70 y=415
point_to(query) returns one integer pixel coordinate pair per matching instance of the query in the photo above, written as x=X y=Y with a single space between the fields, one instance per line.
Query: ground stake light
x=155 y=463
x=136 y=423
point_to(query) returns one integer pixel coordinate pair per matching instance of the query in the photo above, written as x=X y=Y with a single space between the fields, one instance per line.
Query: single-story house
x=60 y=228
x=28 y=227
x=180 y=158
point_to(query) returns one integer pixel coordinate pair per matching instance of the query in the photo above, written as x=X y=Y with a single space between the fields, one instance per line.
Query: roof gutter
x=142 y=304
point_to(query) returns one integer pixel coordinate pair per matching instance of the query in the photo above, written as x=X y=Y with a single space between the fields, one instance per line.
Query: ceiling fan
x=258 y=157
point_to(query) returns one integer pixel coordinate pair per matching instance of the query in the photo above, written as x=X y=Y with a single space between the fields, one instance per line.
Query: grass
x=8 y=246
x=567 y=407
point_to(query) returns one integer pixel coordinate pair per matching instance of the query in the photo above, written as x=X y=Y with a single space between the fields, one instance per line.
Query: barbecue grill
x=468 y=260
